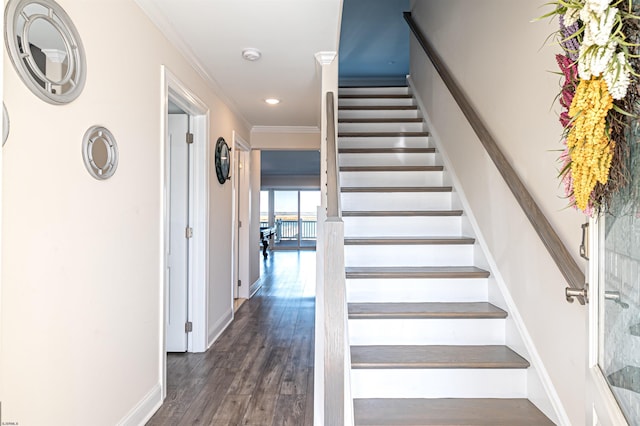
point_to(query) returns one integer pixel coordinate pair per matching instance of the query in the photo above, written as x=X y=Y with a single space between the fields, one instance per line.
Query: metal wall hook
x=572 y=293
x=616 y=298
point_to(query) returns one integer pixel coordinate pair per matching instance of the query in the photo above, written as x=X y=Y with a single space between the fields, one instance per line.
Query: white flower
x=618 y=77
x=597 y=6
x=597 y=28
x=571 y=16
x=600 y=57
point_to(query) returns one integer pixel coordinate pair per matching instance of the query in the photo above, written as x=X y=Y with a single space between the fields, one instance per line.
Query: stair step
x=381 y=120
x=386 y=150
x=381 y=134
x=424 y=310
x=448 y=412
x=376 y=96
x=391 y=168
x=380 y=213
x=377 y=107
x=408 y=240
x=397 y=189
x=436 y=356
x=431 y=290
x=416 y=272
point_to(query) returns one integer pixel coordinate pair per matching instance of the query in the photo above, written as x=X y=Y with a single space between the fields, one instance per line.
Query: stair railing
x=331 y=297
x=559 y=253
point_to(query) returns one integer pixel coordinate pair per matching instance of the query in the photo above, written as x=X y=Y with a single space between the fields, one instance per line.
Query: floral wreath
x=599 y=39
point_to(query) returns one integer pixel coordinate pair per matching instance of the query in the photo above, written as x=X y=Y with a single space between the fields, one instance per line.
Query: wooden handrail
x=333 y=198
x=561 y=256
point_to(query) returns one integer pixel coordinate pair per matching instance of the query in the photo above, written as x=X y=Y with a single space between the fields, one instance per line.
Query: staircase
x=426 y=346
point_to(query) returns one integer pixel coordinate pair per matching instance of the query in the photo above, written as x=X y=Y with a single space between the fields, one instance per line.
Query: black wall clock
x=222 y=160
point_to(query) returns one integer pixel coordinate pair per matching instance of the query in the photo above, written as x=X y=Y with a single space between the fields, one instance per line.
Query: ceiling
x=212 y=34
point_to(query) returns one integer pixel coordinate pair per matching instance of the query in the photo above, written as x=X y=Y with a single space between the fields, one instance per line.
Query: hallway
x=260 y=370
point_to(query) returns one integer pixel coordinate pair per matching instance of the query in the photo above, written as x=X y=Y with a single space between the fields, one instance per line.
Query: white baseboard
x=220 y=326
x=559 y=414
x=143 y=410
x=255 y=287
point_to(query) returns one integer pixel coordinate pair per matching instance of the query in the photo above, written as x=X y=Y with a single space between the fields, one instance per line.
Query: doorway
x=183 y=308
x=294 y=215
x=241 y=174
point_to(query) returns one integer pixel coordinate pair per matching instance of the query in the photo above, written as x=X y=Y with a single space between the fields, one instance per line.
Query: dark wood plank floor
x=260 y=370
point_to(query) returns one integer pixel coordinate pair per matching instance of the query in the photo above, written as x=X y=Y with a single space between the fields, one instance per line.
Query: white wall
x=81 y=277
x=496 y=56
x=291 y=138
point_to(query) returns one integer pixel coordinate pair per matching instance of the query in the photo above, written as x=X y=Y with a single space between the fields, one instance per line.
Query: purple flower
x=569 y=41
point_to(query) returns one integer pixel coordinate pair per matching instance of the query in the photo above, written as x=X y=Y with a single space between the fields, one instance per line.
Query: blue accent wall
x=374 y=40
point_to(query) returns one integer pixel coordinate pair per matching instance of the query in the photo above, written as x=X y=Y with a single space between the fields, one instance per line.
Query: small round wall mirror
x=100 y=152
x=45 y=49
x=5 y=124
x=223 y=158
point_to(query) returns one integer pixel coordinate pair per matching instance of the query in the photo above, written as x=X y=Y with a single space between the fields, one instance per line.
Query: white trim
x=144 y=409
x=255 y=287
x=514 y=313
x=285 y=129
x=219 y=327
x=154 y=14
x=325 y=57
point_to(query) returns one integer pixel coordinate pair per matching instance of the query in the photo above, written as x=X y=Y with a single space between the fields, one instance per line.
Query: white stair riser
x=368 y=179
x=438 y=383
x=401 y=226
x=408 y=255
x=396 y=201
x=376 y=102
x=404 y=90
x=381 y=127
x=388 y=159
x=379 y=113
x=385 y=142
x=416 y=290
x=427 y=331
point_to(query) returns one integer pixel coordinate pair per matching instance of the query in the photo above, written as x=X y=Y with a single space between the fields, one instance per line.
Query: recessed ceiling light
x=251 y=54
x=272 y=101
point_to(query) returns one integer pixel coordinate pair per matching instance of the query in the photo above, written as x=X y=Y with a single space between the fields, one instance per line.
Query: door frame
x=240 y=235
x=198 y=267
x=601 y=405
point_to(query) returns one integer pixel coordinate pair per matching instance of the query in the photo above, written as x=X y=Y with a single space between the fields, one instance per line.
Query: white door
x=613 y=395
x=177 y=247
x=239 y=205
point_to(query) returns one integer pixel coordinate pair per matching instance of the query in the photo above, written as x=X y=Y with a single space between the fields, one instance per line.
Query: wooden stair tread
x=377 y=107
x=381 y=120
x=376 y=96
x=381 y=134
x=424 y=310
x=386 y=150
x=396 y=189
x=436 y=356
x=384 y=272
x=399 y=213
x=448 y=412
x=391 y=168
x=411 y=240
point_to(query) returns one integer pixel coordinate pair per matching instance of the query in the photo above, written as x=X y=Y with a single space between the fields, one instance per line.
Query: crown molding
x=151 y=10
x=326 y=57
x=285 y=129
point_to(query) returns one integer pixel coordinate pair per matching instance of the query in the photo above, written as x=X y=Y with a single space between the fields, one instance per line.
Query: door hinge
x=239 y=224
x=189 y=137
x=188 y=327
x=189 y=232
x=239 y=283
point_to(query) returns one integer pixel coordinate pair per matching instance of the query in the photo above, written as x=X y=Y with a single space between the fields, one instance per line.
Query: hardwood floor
x=260 y=370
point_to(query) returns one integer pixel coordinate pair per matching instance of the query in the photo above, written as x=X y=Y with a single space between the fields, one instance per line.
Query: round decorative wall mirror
x=5 y=124
x=100 y=152
x=223 y=159
x=45 y=49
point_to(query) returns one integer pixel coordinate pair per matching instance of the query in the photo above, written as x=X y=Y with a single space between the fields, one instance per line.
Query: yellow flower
x=590 y=149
